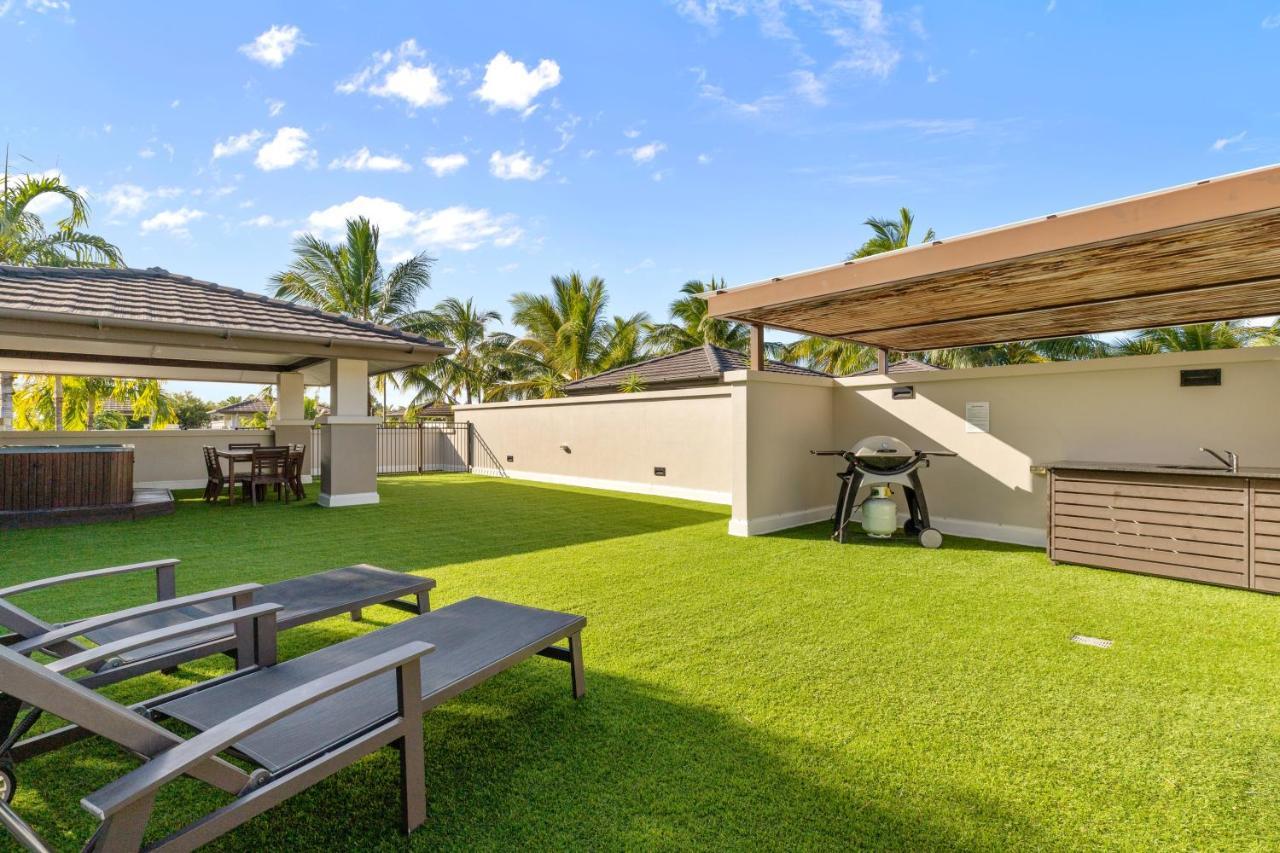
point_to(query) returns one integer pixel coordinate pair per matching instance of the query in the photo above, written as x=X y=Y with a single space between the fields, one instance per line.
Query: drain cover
x=1096 y=642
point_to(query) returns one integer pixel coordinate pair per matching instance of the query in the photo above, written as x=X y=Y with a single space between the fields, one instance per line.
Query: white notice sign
x=977 y=417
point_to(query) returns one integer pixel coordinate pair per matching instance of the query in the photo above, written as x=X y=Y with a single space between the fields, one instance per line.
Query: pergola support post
x=349 y=439
x=756 y=354
x=291 y=424
x=882 y=362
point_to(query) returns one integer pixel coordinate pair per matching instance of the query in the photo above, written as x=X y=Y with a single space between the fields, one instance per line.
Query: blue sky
x=648 y=143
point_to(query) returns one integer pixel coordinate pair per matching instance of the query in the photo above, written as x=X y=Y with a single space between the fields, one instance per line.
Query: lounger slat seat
x=303 y=600
x=474 y=639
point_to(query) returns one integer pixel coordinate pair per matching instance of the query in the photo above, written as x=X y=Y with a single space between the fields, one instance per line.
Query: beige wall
x=615 y=441
x=778 y=419
x=1124 y=409
x=167 y=458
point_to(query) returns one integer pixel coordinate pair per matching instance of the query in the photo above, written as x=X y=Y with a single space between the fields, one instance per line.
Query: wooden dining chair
x=217 y=480
x=297 y=455
x=270 y=467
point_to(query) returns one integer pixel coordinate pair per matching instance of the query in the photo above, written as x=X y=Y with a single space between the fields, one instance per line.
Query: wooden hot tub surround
x=1199 y=524
x=44 y=485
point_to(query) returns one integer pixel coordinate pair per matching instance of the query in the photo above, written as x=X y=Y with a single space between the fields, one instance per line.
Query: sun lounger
x=305 y=599
x=298 y=721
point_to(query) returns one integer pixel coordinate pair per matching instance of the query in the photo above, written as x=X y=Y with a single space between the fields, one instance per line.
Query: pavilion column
x=291 y=424
x=349 y=438
x=756 y=354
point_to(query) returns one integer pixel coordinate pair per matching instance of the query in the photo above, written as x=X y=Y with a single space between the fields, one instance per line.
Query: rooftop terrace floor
x=774 y=692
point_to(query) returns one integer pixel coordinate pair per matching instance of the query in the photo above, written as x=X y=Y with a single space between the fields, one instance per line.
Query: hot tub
x=65 y=476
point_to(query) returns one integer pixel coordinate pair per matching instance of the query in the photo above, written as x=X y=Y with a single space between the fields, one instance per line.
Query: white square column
x=349 y=438
x=291 y=424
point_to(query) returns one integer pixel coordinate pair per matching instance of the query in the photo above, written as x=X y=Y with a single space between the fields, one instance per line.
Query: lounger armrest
x=241 y=595
x=163 y=568
x=109 y=650
x=174 y=762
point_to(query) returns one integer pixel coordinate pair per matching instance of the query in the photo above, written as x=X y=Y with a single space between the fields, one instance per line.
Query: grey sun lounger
x=298 y=722
x=305 y=599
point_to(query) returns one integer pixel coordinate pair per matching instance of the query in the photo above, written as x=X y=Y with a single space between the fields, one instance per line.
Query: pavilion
x=155 y=324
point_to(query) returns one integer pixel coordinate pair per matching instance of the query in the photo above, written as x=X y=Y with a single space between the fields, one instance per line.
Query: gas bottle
x=880 y=512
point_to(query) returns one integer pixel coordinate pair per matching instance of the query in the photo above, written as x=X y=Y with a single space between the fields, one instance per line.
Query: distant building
x=237 y=415
x=691 y=368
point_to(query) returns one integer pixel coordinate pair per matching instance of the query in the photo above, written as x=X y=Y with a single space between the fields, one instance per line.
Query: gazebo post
x=291 y=424
x=349 y=438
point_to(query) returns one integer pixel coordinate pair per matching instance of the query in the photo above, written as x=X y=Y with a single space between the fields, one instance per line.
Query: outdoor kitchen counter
x=1152 y=468
x=1193 y=523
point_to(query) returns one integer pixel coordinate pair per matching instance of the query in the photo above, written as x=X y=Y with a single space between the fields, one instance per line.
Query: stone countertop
x=1244 y=472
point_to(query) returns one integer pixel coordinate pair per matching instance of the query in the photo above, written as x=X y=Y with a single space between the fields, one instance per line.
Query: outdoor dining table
x=232 y=457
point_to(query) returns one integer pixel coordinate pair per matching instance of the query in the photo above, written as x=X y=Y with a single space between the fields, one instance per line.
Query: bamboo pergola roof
x=1195 y=253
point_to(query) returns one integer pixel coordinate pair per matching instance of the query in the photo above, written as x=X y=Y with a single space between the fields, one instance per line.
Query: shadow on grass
x=422 y=522
x=516 y=762
x=821 y=531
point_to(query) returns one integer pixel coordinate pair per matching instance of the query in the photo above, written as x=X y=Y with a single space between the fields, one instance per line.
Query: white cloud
x=38 y=6
x=147 y=153
x=1271 y=22
x=1222 y=143
x=236 y=144
x=645 y=153
x=704 y=159
x=417 y=85
x=1050 y=6
x=646 y=264
x=174 y=222
x=175 y=103
x=509 y=84
x=127 y=200
x=515 y=166
x=924 y=126
x=511 y=267
x=460 y=228
x=363 y=161
x=809 y=87
x=445 y=164
x=266 y=221
x=274 y=107
x=631 y=133
x=288 y=148
x=274 y=46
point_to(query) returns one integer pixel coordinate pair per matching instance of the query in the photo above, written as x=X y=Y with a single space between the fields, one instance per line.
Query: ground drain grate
x=1096 y=642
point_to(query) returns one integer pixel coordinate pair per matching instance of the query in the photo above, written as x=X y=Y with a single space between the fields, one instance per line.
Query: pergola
x=155 y=324
x=1196 y=253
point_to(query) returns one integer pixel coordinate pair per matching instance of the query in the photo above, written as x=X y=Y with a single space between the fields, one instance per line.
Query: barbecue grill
x=880 y=462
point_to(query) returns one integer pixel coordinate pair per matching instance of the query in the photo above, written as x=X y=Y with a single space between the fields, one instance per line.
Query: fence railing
x=415 y=448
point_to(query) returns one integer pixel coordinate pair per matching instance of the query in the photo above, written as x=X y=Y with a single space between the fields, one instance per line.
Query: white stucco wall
x=614 y=441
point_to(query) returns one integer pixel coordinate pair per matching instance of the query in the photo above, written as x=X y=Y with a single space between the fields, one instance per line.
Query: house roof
x=1195 y=253
x=250 y=406
x=704 y=365
x=906 y=365
x=174 y=326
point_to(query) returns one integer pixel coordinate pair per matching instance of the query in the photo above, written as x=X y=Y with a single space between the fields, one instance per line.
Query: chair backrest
x=211 y=465
x=244 y=445
x=297 y=453
x=270 y=461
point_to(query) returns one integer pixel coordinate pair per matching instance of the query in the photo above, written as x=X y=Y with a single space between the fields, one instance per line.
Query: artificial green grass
x=775 y=692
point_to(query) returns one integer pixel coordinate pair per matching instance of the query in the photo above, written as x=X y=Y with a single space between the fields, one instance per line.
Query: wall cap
x=589 y=399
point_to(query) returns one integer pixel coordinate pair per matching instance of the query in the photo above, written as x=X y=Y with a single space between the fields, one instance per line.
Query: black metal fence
x=414 y=448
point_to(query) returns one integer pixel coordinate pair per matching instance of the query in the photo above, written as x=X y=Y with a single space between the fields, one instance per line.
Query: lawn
x=778 y=692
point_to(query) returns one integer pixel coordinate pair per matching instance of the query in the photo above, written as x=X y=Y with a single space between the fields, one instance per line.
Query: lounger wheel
x=931 y=537
x=8 y=783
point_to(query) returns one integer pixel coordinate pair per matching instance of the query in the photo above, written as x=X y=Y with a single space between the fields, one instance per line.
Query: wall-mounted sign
x=977 y=417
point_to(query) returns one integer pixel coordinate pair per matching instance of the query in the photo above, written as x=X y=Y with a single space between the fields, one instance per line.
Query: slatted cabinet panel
x=1186 y=527
x=1266 y=536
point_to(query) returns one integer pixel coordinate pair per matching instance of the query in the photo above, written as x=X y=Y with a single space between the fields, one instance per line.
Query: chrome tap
x=1231 y=461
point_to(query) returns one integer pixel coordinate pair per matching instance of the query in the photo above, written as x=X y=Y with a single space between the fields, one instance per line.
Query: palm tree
x=465 y=328
x=57 y=402
x=889 y=234
x=567 y=336
x=692 y=324
x=1230 y=334
x=25 y=240
x=348 y=278
x=839 y=358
